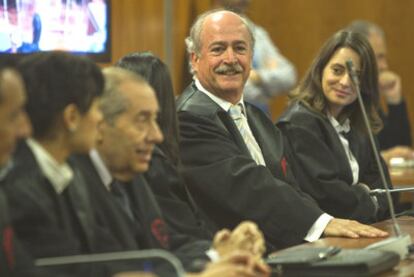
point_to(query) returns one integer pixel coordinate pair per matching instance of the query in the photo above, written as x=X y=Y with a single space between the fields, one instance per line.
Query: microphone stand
x=115 y=256
x=382 y=191
x=400 y=242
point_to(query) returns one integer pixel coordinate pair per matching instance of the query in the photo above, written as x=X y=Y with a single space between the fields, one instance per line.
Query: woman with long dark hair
x=331 y=154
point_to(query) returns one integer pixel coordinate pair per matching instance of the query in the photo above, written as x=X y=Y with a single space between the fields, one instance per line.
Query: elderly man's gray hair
x=113 y=103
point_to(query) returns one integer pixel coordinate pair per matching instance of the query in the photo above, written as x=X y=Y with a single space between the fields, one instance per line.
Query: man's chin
x=141 y=168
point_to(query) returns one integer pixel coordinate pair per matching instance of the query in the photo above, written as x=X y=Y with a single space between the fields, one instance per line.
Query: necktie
x=121 y=197
x=251 y=143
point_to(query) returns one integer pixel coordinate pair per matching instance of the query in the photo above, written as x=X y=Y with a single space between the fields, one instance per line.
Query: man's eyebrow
x=220 y=42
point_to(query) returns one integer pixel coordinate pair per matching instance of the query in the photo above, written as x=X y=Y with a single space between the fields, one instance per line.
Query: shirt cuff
x=316 y=231
x=213 y=255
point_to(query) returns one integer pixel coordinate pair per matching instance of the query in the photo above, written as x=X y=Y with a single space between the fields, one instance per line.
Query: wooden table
x=405 y=267
x=403 y=177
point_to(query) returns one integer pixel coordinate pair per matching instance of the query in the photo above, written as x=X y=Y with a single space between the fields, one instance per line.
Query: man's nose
x=155 y=135
x=230 y=56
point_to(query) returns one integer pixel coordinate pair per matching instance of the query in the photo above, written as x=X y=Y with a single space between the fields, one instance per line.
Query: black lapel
x=270 y=140
x=197 y=102
x=79 y=199
x=231 y=127
x=147 y=211
x=120 y=223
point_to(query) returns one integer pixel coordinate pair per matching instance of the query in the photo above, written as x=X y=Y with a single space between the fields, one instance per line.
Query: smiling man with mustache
x=234 y=159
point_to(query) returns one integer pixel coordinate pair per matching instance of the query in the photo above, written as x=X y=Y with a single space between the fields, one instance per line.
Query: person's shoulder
x=296 y=111
x=185 y=96
x=196 y=104
x=302 y=116
x=25 y=168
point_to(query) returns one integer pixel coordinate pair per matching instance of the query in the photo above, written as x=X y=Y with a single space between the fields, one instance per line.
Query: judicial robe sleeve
x=230 y=187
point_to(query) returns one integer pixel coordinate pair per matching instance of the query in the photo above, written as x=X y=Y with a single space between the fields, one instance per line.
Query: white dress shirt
x=101 y=168
x=225 y=105
x=340 y=130
x=59 y=175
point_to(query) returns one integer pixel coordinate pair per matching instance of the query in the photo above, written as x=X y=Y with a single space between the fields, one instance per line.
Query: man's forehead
x=229 y=25
x=139 y=95
x=134 y=88
x=223 y=19
x=215 y=17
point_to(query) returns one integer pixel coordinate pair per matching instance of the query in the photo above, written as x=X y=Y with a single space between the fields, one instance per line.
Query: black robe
x=14 y=260
x=173 y=197
x=226 y=182
x=151 y=231
x=50 y=224
x=322 y=169
x=396 y=129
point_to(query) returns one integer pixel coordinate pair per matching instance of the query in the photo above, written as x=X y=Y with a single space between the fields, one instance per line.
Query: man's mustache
x=229 y=68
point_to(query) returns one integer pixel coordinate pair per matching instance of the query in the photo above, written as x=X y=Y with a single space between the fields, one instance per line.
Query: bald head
x=193 y=41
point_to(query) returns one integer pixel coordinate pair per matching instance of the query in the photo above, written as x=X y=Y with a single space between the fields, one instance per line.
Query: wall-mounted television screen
x=76 y=26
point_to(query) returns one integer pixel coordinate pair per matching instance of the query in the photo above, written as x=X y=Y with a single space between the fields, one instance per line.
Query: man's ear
x=71 y=117
x=101 y=129
x=194 y=61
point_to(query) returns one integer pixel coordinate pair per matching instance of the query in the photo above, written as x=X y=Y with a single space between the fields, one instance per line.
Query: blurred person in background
x=395 y=137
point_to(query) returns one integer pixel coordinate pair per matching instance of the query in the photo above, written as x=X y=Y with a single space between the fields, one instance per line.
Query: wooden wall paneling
x=137 y=26
x=298 y=27
x=185 y=12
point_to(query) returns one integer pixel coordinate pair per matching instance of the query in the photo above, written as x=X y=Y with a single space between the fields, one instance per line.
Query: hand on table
x=352 y=229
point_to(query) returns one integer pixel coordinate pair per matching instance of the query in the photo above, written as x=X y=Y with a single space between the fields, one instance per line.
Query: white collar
x=101 y=168
x=225 y=105
x=59 y=175
x=344 y=128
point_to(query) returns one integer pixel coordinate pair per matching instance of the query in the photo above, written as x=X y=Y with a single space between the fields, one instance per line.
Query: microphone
x=400 y=242
x=115 y=256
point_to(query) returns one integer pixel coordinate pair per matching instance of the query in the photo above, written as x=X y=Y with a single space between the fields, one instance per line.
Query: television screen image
x=79 y=26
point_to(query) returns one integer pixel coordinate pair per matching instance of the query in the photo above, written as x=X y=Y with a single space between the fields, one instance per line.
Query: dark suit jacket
x=177 y=205
x=7 y=255
x=40 y=223
x=321 y=166
x=14 y=260
x=226 y=182
x=153 y=231
x=396 y=121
